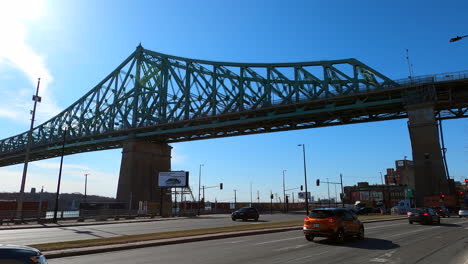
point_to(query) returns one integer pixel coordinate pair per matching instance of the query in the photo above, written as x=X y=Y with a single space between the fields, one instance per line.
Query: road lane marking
x=233 y=242
x=380 y=260
x=292 y=247
x=367 y=228
x=457 y=223
x=279 y=240
x=309 y=256
x=415 y=231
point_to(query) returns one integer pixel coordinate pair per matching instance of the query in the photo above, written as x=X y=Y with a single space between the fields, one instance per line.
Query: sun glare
x=18 y=10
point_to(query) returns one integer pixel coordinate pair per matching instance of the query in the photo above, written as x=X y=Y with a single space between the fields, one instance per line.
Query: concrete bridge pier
x=429 y=170
x=141 y=163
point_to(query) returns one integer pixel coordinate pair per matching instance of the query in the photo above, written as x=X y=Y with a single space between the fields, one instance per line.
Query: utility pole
x=85 y=186
x=328 y=187
x=258 y=196
x=36 y=98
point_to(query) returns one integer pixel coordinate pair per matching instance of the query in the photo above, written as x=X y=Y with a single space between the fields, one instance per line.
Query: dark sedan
x=442 y=211
x=423 y=216
x=245 y=213
x=13 y=254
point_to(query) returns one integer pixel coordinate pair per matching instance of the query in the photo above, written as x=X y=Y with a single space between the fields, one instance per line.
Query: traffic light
x=318 y=182
x=271 y=196
x=466 y=181
x=461 y=193
x=221 y=186
x=302 y=187
x=442 y=196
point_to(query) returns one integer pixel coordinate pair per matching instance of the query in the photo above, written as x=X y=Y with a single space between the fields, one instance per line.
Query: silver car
x=14 y=254
x=463 y=212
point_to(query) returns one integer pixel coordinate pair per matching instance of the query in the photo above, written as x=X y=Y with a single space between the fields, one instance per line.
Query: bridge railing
x=433 y=78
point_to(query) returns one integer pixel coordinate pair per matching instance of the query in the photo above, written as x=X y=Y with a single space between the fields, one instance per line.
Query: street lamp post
x=85 y=186
x=305 y=179
x=60 y=176
x=284 y=192
x=36 y=99
x=199 y=188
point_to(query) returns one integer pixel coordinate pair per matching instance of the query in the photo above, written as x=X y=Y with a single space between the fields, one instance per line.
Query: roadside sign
x=173 y=179
x=301 y=195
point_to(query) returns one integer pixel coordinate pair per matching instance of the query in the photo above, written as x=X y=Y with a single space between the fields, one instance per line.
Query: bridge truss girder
x=171 y=99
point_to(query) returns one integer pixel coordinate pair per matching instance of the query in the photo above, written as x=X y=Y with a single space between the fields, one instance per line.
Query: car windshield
x=321 y=213
x=238 y=122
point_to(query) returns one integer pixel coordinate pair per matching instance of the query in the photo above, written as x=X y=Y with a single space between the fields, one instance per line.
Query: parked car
x=245 y=213
x=442 y=211
x=14 y=254
x=463 y=212
x=333 y=223
x=423 y=216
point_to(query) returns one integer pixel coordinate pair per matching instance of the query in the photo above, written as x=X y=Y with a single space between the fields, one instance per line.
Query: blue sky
x=72 y=45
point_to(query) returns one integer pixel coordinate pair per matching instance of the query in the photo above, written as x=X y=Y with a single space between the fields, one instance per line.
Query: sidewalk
x=89 y=222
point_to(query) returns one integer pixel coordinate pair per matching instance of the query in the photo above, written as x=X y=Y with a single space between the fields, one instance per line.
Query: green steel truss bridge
x=163 y=98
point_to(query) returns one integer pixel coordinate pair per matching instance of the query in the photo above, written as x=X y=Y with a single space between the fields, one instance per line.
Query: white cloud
x=17 y=53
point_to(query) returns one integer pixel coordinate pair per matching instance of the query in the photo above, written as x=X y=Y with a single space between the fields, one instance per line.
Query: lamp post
x=60 y=176
x=457 y=38
x=199 y=188
x=36 y=98
x=284 y=192
x=85 y=185
x=305 y=178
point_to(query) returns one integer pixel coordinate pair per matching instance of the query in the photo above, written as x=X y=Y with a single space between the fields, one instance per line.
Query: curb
x=170 y=241
x=91 y=223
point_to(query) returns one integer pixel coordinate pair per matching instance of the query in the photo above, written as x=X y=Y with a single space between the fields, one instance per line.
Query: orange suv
x=334 y=223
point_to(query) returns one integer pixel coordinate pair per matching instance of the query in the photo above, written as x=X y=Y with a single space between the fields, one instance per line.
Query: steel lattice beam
x=167 y=98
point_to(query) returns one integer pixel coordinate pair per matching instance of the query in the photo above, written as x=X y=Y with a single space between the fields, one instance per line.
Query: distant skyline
x=73 y=45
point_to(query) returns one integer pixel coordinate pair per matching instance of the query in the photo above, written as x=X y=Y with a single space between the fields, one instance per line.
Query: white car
x=463 y=212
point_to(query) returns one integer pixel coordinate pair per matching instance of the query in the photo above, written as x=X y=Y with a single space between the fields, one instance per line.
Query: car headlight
x=38 y=259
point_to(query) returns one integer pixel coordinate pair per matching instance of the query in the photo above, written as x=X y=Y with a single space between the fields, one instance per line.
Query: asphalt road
x=53 y=234
x=386 y=242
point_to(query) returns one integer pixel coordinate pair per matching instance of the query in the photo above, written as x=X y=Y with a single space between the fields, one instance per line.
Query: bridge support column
x=429 y=170
x=141 y=163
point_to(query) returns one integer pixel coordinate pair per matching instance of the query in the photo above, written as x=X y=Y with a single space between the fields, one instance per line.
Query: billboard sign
x=168 y=179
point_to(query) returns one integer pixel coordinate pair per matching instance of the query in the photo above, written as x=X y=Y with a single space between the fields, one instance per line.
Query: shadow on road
x=368 y=243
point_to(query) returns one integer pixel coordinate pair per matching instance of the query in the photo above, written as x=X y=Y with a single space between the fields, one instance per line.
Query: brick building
x=372 y=195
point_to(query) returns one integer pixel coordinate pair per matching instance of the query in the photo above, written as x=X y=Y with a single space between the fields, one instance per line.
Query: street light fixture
x=305 y=178
x=457 y=38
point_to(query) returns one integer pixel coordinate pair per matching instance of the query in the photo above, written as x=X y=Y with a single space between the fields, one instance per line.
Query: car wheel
x=361 y=233
x=309 y=237
x=340 y=236
x=233 y=219
x=438 y=221
x=256 y=219
x=244 y=219
x=448 y=215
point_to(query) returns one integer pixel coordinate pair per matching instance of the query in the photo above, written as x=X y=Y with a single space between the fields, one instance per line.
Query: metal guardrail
x=433 y=78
